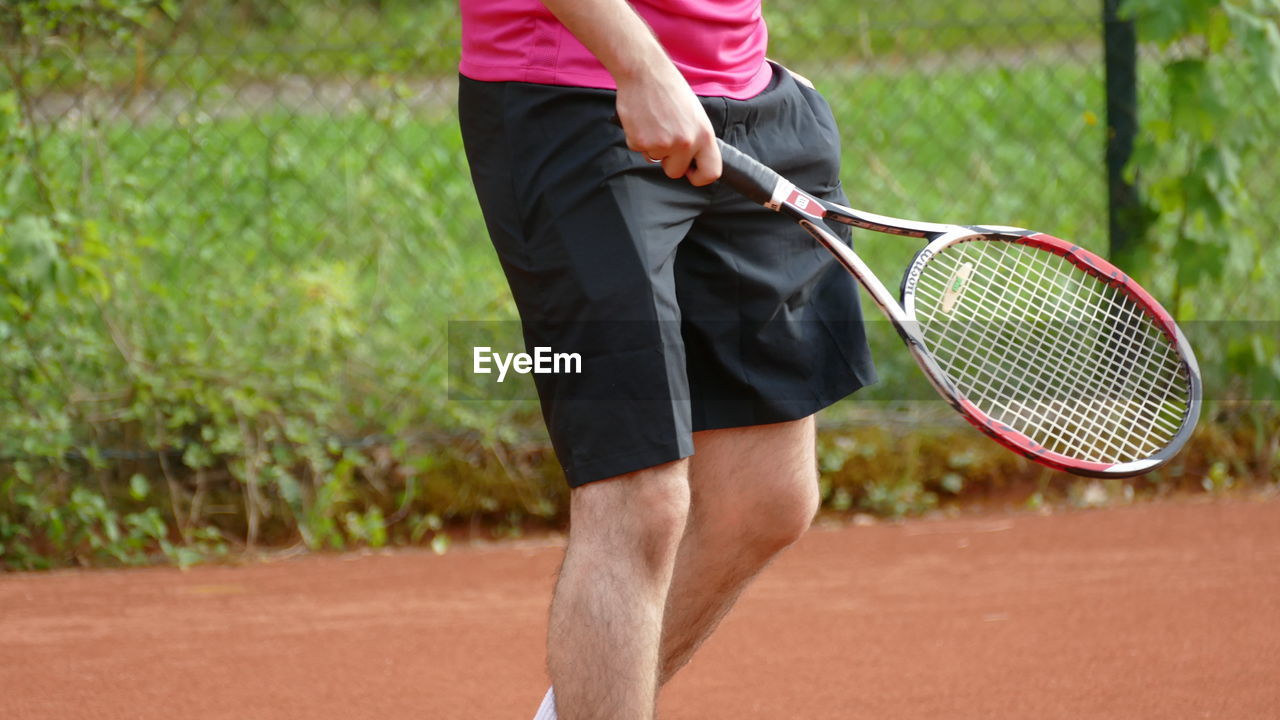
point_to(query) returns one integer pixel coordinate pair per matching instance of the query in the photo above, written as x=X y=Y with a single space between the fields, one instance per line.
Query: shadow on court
x=1152 y=611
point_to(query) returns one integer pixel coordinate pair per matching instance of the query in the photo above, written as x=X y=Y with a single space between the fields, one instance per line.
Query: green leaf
x=139 y=487
x=1194 y=99
x=29 y=251
x=185 y=557
x=1221 y=167
x=1158 y=21
x=1165 y=22
x=1259 y=37
x=1217 y=31
x=1197 y=261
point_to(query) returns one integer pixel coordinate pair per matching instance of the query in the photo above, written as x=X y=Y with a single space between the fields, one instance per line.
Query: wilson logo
x=913 y=274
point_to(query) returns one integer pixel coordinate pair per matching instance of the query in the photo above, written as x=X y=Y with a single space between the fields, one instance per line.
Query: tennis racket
x=1042 y=345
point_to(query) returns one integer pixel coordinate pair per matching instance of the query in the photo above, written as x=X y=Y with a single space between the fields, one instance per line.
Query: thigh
x=748 y=477
x=586 y=233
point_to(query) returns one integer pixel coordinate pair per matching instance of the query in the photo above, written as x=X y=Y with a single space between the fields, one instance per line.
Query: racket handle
x=746 y=175
x=743 y=172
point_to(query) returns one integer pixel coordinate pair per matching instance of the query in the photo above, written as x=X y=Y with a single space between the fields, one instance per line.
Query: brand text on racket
x=542 y=362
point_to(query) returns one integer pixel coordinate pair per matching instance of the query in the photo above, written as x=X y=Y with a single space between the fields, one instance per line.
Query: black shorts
x=691 y=308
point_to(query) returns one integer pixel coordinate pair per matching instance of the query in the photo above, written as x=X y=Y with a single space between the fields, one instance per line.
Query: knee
x=768 y=517
x=785 y=516
x=656 y=514
x=641 y=515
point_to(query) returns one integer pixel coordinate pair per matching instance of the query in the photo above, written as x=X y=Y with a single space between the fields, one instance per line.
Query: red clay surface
x=1154 y=611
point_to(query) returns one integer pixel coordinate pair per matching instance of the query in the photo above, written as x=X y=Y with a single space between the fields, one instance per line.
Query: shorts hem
x=775 y=415
x=582 y=473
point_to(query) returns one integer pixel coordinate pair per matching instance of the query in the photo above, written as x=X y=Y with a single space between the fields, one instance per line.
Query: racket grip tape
x=746 y=175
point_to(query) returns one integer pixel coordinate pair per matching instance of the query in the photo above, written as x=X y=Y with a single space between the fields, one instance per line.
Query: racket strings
x=1068 y=380
x=1072 y=381
x=1111 y=375
x=1069 y=377
x=1052 y=351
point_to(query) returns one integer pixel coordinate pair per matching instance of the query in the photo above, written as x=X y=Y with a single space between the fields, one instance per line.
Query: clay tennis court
x=1168 y=610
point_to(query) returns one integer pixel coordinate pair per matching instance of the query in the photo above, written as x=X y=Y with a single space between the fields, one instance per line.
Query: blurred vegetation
x=224 y=308
x=221 y=40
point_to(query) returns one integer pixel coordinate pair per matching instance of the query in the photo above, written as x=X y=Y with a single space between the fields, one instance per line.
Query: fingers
x=634 y=143
x=697 y=158
x=706 y=165
x=676 y=163
x=665 y=122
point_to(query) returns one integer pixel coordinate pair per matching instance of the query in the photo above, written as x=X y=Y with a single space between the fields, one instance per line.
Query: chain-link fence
x=236 y=223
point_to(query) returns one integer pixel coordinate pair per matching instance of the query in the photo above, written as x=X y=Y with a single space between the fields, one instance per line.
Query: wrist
x=643 y=63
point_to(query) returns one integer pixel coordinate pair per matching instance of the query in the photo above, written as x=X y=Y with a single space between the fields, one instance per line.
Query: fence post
x=1120 y=44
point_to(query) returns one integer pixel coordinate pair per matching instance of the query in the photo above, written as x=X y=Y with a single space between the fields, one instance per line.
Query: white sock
x=547 y=710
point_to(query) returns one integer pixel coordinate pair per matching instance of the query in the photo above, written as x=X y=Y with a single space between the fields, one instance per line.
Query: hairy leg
x=753 y=492
x=606 y=615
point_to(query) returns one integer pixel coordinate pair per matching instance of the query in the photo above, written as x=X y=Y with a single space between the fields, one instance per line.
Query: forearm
x=660 y=115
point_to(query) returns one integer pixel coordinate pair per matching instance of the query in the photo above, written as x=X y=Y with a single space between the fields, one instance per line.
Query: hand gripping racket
x=1047 y=348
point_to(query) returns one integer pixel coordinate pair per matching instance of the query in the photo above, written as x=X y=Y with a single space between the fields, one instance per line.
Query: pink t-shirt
x=719 y=45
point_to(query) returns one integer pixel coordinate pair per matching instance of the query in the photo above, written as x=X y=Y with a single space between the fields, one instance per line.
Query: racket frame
x=745 y=174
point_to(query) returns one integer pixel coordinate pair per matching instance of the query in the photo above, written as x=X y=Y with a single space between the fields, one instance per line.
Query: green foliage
x=44 y=21
x=231 y=377
x=227 y=40
x=837 y=31
x=887 y=474
x=47 y=524
x=878 y=470
x=1220 y=69
x=1202 y=158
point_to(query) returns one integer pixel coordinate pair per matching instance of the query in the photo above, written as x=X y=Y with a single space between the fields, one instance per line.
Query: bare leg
x=629 y=571
x=606 y=616
x=754 y=492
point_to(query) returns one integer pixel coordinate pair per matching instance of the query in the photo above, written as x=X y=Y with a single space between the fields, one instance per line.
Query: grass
x=375 y=198
x=835 y=30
